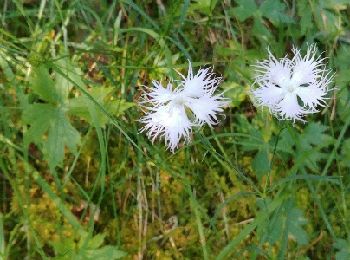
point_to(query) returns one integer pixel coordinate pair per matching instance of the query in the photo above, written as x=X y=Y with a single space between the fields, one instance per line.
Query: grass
x=78 y=179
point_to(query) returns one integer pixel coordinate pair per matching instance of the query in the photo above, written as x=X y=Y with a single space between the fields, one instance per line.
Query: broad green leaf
x=306 y=17
x=245 y=9
x=274 y=10
x=296 y=221
x=261 y=162
x=39 y=122
x=96 y=241
x=314 y=134
x=260 y=29
x=61 y=133
x=77 y=248
x=62 y=84
x=80 y=106
x=344 y=249
x=204 y=6
x=52 y=121
x=42 y=84
x=309 y=146
x=235 y=92
x=106 y=253
x=286 y=219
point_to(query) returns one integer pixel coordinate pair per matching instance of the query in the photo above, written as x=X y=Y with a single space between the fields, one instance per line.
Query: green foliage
x=273 y=10
x=344 y=249
x=78 y=179
x=85 y=248
x=50 y=118
x=287 y=221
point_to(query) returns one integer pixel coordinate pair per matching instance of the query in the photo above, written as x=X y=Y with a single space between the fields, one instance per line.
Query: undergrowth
x=78 y=179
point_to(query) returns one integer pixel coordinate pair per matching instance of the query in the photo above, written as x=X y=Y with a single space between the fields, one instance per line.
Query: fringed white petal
x=166 y=117
x=272 y=70
x=312 y=96
x=290 y=109
x=307 y=69
x=268 y=95
x=158 y=94
x=204 y=82
x=206 y=108
x=282 y=81
x=169 y=121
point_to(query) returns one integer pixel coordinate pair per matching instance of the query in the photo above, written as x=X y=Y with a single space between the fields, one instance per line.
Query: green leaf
x=295 y=222
x=314 y=134
x=245 y=9
x=42 y=84
x=97 y=241
x=106 y=253
x=81 y=249
x=62 y=84
x=260 y=29
x=204 y=6
x=261 y=162
x=290 y=220
x=309 y=146
x=235 y=92
x=39 y=122
x=344 y=249
x=305 y=12
x=61 y=133
x=274 y=10
x=82 y=105
x=51 y=120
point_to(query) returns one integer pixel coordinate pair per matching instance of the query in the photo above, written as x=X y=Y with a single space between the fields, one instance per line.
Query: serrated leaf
x=295 y=223
x=52 y=121
x=61 y=134
x=39 y=122
x=260 y=29
x=62 y=84
x=81 y=249
x=96 y=241
x=106 y=253
x=245 y=9
x=305 y=12
x=314 y=134
x=290 y=220
x=344 y=249
x=204 y=6
x=261 y=162
x=81 y=106
x=274 y=10
x=42 y=84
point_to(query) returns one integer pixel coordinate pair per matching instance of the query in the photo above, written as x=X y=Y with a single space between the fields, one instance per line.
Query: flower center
x=290 y=89
x=179 y=100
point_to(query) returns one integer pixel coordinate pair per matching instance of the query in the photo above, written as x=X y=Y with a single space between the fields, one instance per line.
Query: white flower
x=292 y=88
x=171 y=113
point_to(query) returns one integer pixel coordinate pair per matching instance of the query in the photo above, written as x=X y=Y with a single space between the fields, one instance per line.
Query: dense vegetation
x=78 y=180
